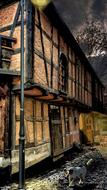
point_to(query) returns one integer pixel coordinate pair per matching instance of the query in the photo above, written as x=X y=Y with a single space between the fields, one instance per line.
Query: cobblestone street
x=96 y=178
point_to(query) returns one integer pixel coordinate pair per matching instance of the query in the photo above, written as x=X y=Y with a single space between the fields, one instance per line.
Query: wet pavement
x=96 y=178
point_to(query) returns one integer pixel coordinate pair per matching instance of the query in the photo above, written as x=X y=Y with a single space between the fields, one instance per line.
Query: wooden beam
x=58 y=58
x=42 y=114
x=48 y=97
x=8 y=38
x=8 y=27
x=34 y=122
x=8 y=73
x=16 y=51
x=15 y=19
x=40 y=54
x=81 y=83
x=64 y=124
x=13 y=124
x=46 y=69
x=51 y=77
x=0 y=53
x=67 y=72
x=47 y=36
x=57 y=99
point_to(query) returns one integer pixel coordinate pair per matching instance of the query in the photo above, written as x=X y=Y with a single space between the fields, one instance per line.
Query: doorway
x=56 y=130
x=4 y=119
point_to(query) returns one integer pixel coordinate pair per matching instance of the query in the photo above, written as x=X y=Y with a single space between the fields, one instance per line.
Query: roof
x=5 y=2
x=52 y=13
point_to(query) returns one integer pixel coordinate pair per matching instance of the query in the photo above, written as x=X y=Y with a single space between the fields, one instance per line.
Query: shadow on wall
x=83 y=138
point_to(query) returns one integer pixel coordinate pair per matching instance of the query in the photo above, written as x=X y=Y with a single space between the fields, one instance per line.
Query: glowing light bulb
x=40 y=4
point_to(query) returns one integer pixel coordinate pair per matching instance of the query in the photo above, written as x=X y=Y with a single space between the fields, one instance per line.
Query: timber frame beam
x=43 y=48
x=56 y=98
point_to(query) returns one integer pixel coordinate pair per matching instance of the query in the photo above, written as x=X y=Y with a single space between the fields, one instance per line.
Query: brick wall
x=7 y=15
x=39 y=66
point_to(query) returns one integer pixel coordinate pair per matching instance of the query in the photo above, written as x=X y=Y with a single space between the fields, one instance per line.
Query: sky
x=75 y=14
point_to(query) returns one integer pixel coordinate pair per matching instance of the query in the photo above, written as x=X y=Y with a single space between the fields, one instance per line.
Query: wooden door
x=4 y=120
x=89 y=129
x=56 y=130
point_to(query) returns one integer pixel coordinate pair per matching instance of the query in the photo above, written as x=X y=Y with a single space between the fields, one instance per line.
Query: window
x=85 y=80
x=63 y=73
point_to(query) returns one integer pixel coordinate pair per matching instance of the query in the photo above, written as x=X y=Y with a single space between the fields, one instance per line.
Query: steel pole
x=22 y=130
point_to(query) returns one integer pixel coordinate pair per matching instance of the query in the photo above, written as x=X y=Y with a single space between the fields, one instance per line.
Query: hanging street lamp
x=40 y=4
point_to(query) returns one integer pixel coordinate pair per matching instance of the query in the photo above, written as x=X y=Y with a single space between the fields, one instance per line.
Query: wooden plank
x=64 y=123
x=67 y=69
x=46 y=123
x=0 y=53
x=29 y=122
x=39 y=132
x=2 y=113
x=8 y=122
x=46 y=130
x=8 y=48
x=8 y=38
x=35 y=126
x=81 y=83
x=13 y=128
x=17 y=122
x=4 y=125
x=33 y=101
x=29 y=132
x=17 y=133
x=42 y=116
x=39 y=119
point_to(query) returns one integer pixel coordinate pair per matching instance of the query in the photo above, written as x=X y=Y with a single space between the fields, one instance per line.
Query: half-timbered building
x=59 y=84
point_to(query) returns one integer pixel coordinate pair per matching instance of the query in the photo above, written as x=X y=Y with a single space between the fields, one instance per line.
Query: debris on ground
x=96 y=176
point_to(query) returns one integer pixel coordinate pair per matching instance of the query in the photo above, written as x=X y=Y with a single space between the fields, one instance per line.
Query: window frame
x=63 y=73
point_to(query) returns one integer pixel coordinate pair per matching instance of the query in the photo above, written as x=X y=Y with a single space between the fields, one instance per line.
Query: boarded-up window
x=36 y=122
x=29 y=121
